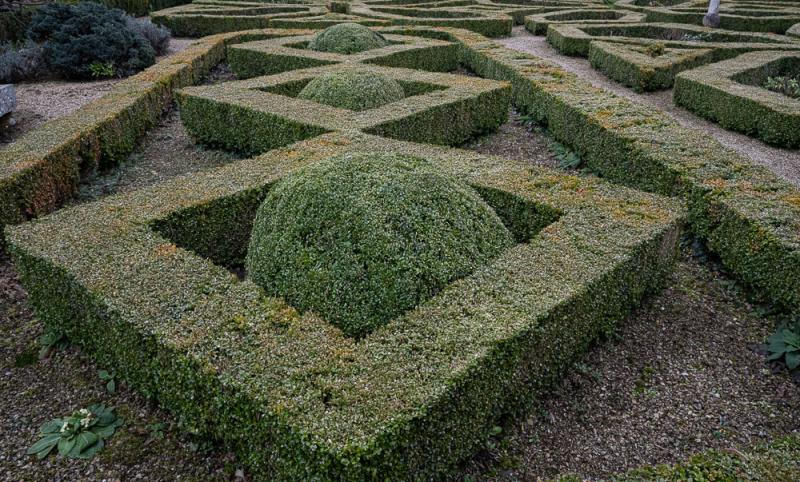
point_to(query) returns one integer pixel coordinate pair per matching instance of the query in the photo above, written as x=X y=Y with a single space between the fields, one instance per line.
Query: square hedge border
x=537 y=24
x=730 y=93
x=206 y=17
x=732 y=17
x=255 y=115
x=293 y=397
x=273 y=56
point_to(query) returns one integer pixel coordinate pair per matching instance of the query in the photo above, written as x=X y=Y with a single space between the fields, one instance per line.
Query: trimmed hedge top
x=353 y=89
x=347 y=38
x=362 y=238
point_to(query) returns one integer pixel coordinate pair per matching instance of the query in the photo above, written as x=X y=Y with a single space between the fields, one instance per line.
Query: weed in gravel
x=80 y=436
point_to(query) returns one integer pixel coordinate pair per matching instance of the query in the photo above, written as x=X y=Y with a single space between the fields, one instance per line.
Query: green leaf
x=83 y=441
x=43 y=446
x=91 y=450
x=103 y=374
x=792 y=360
x=111 y=386
x=104 y=431
x=65 y=444
x=53 y=426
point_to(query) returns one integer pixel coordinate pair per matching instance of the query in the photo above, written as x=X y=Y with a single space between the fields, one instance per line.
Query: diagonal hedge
x=292 y=396
x=731 y=93
x=42 y=169
x=749 y=216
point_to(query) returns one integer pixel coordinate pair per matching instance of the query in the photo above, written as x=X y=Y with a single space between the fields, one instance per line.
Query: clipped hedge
x=742 y=19
x=42 y=169
x=253 y=116
x=537 y=24
x=777 y=461
x=199 y=19
x=288 y=393
x=316 y=240
x=575 y=39
x=140 y=8
x=749 y=216
x=267 y=57
x=634 y=67
x=731 y=94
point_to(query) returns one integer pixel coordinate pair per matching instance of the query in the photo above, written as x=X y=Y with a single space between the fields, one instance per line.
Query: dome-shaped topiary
x=347 y=38
x=353 y=89
x=362 y=238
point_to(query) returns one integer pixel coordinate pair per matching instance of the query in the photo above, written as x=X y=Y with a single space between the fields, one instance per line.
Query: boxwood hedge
x=273 y=56
x=747 y=215
x=731 y=93
x=292 y=396
x=42 y=169
x=255 y=115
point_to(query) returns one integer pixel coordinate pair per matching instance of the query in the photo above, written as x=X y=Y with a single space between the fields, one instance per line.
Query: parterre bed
x=411 y=398
x=350 y=409
x=731 y=94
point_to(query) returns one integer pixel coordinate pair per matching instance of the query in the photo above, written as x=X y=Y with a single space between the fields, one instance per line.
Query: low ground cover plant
x=80 y=435
x=784 y=84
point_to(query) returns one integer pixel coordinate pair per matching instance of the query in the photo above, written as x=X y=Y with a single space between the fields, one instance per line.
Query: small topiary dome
x=347 y=38
x=361 y=238
x=353 y=89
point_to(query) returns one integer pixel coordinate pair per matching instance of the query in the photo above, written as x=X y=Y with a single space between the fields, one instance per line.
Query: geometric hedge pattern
x=288 y=391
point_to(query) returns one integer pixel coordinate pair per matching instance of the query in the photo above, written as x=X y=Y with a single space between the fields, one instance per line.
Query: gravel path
x=38 y=102
x=783 y=162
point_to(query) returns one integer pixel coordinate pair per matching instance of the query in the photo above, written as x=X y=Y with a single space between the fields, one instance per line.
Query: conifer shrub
x=78 y=37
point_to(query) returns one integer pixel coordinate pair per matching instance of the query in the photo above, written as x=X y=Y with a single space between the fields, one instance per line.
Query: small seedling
x=79 y=436
x=110 y=379
x=51 y=341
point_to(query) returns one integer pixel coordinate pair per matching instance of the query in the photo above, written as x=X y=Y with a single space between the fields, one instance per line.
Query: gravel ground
x=783 y=162
x=514 y=140
x=38 y=102
x=683 y=374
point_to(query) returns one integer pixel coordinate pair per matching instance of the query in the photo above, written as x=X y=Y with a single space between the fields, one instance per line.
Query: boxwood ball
x=362 y=238
x=353 y=89
x=347 y=38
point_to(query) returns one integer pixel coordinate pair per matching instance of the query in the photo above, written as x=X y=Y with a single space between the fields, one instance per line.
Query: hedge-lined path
x=784 y=162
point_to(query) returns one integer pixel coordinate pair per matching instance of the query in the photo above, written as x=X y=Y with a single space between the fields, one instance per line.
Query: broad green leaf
x=65 y=444
x=793 y=360
x=92 y=450
x=111 y=386
x=43 y=446
x=83 y=441
x=53 y=426
x=104 y=432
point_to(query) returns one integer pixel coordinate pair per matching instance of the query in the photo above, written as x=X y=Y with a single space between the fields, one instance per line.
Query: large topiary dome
x=353 y=89
x=362 y=238
x=347 y=38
